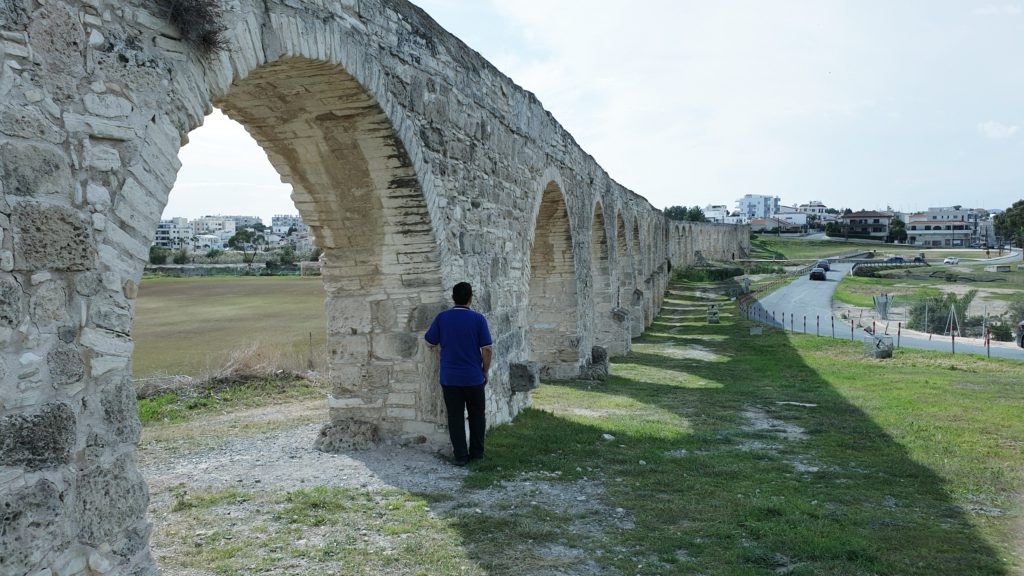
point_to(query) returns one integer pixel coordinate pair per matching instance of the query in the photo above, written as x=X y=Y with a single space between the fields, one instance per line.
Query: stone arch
x=355 y=186
x=626 y=283
x=553 y=337
x=606 y=329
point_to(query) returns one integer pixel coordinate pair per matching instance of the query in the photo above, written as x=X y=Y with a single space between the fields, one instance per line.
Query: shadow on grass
x=717 y=476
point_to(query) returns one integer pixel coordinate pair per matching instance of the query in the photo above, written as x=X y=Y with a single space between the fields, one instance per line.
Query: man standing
x=465 y=343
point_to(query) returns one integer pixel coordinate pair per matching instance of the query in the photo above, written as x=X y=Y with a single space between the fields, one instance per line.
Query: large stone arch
x=553 y=331
x=355 y=186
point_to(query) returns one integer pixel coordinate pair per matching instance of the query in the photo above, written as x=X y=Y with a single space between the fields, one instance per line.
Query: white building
x=244 y=221
x=953 y=227
x=172 y=233
x=758 y=206
x=813 y=207
x=207 y=242
x=213 y=225
x=716 y=213
x=282 y=223
x=791 y=215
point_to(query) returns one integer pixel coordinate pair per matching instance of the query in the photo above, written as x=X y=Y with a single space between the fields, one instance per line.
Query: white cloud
x=997 y=131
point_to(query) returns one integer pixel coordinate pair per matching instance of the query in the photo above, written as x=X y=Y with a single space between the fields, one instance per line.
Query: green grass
x=859 y=291
x=785 y=248
x=187 y=404
x=910 y=466
x=192 y=326
x=774 y=247
x=315 y=531
x=917 y=460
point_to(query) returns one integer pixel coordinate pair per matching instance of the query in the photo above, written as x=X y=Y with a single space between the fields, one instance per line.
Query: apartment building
x=758 y=206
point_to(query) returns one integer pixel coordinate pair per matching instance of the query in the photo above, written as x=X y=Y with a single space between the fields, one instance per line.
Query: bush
x=1002 y=331
x=181 y=256
x=936 y=310
x=158 y=255
x=764 y=268
x=708 y=273
x=213 y=254
x=286 y=256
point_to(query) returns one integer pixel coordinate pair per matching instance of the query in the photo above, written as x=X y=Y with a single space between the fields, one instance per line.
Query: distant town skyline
x=862 y=104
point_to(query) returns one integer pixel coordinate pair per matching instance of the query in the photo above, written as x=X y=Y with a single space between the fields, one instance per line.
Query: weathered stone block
x=121 y=412
x=65 y=365
x=30 y=123
x=48 y=304
x=108 y=315
x=51 y=238
x=40 y=440
x=523 y=376
x=423 y=315
x=597 y=368
x=345 y=435
x=110 y=499
x=29 y=516
x=395 y=346
x=10 y=303
x=34 y=171
x=63 y=62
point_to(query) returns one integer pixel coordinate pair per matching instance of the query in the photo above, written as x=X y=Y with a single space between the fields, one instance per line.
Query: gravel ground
x=285 y=460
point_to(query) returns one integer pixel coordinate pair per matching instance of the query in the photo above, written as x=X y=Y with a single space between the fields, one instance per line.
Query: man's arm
x=485 y=353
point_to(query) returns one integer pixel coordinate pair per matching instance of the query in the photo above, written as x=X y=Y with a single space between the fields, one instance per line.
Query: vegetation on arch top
x=198 y=21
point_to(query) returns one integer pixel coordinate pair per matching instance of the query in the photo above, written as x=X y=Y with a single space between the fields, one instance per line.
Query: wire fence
x=864 y=323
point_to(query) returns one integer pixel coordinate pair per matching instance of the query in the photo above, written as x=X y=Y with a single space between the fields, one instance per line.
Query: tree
x=286 y=255
x=1010 y=224
x=180 y=256
x=833 y=229
x=244 y=240
x=676 y=212
x=695 y=214
x=897 y=230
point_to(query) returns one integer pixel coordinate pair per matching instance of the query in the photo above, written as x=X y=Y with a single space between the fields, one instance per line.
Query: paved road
x=812 y=299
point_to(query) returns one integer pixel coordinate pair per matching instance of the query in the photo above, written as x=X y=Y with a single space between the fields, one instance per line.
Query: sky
x=862 y=104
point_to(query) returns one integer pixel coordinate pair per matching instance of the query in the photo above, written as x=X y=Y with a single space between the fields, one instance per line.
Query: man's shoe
x=477 y=457
x=460 y=462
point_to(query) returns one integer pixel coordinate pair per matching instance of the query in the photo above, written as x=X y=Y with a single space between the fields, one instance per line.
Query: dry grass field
x=194 y=326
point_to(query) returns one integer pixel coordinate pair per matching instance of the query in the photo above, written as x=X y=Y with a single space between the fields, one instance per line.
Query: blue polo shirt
x=461 y=332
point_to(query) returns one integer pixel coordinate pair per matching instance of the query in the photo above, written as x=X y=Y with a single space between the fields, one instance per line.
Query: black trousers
x=459 y=400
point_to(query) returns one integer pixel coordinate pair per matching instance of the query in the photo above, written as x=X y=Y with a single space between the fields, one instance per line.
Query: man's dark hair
x=462 y=293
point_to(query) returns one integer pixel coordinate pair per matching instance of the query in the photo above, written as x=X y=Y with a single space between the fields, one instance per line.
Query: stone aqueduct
x=416 y=163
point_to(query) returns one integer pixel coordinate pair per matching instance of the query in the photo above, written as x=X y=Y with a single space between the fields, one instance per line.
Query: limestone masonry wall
x=415 y=161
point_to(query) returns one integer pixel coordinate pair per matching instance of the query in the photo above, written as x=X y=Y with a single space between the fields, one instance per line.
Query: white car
x=951 y=260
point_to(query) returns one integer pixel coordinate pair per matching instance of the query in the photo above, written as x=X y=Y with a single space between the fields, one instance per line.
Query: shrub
x=708 y=273
x=158 y=255
x=198 y=21
x=213 y=254
x=180 y=256
x=932 y=313
x=1002 y=331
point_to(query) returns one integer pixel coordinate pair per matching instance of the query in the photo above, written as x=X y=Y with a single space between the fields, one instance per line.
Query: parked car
x=951 y=260
x=823 y=264
x=895 y=260
x=818 y=274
